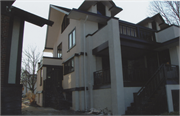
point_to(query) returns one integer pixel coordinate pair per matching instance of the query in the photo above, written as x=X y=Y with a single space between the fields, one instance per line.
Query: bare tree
x=28 y=73
x=169 y=10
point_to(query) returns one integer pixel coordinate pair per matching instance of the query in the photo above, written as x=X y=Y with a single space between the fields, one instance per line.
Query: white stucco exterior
x=89 y=36
x=168 y=34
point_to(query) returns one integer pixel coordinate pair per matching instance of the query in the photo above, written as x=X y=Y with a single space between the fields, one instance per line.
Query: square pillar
x=117 y=87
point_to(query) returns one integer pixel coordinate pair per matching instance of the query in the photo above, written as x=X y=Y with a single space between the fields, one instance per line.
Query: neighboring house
x=102 y=62
x=12 y=28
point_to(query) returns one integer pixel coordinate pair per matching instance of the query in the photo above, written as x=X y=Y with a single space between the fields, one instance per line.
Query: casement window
x=69 y=66
x=65 y=23
x=59 y=51
x=41 y=76
x=72 y=39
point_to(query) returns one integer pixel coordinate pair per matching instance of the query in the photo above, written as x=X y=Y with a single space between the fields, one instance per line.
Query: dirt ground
x=36 y=110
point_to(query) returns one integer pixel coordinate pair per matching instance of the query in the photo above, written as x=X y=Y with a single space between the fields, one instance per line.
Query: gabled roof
x=110 y=4
x=156 y=17
x=56 y=14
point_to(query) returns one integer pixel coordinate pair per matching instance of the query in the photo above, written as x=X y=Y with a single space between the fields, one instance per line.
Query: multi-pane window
x=69 y=66
x=72 y=39
x=59 y=51
x=130 y=31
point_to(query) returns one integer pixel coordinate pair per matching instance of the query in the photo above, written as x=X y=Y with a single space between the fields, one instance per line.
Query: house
x=100 y=61
x=12 y=28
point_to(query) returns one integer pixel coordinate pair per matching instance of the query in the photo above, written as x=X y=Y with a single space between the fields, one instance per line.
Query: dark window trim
x=61 y=50
x=72 y=39
x=65 y=23
x=41 y=76
x=67 y=71
x=52 y=57
x=76 y=89
x=101 y=86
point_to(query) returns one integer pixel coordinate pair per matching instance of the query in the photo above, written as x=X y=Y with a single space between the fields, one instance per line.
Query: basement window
x=69 y=66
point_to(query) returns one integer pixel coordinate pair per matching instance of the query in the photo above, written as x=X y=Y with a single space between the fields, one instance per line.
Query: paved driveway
x=36 y=110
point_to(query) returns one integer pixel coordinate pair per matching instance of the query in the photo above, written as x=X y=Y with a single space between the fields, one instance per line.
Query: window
x=41 y=75
x=65 y=23
x=69 y=66
x=59 y=51
x=101 y=9
x=72 y=39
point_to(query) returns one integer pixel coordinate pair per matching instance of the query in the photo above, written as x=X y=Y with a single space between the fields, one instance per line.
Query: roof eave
x=81 y=15
x=29 y=17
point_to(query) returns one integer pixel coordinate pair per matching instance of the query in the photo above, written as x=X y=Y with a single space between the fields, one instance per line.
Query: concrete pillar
x=117 y=87
x=14 y=51
x=75 y=100
x=91 y=68
x=75 y=94
x=81 y=101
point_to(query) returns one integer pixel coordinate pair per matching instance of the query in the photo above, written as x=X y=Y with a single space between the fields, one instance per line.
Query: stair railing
x=144 y=94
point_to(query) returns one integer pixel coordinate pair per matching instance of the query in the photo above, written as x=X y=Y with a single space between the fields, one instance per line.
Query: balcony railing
x=136 y=31
x=102 y=77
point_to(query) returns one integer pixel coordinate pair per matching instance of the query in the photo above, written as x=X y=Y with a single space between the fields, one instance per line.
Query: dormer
x=105 y=8
x=155 y=22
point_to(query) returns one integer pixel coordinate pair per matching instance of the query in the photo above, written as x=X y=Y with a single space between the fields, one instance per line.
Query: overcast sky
x=133 y=11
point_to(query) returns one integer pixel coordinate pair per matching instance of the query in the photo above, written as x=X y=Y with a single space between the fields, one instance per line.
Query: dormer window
x=65 y=23
x=101 y=9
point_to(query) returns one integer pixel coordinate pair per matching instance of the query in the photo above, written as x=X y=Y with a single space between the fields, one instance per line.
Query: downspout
x=85 y=64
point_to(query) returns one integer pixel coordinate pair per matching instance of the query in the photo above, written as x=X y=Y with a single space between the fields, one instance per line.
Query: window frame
x=70 y=68
x=59 y=51
x=73 y=39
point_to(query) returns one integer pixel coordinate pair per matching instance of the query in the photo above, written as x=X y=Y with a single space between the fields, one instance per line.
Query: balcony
x=135 y=31
x=102 y=77
x=53 y=61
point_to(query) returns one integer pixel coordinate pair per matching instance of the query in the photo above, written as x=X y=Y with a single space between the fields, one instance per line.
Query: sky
x=35 y=36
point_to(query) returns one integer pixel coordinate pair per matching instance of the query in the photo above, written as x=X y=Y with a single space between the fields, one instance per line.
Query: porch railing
x=102 y=77
x=136 y=31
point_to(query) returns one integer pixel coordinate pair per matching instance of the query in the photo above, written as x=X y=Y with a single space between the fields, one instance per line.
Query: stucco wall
x=128 y=95
x=174 y=55
x=69 y=81
x=102 y=99
x=168 y=34
x=50 y=61
x=169 y=88
x=39 y=99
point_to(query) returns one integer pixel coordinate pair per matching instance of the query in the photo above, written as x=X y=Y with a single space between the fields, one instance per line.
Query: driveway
x=36 y=110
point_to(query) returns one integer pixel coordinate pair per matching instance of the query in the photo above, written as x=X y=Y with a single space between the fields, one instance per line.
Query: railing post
x=138 y=32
